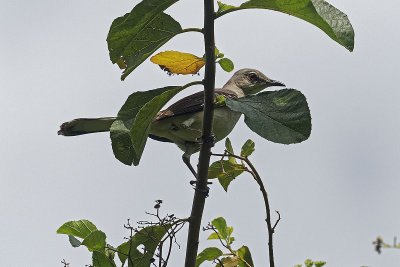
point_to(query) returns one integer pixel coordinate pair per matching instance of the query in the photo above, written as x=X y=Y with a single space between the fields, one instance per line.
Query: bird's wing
x=190 y=104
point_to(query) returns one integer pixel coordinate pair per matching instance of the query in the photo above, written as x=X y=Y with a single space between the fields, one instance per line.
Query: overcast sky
x=336 y=192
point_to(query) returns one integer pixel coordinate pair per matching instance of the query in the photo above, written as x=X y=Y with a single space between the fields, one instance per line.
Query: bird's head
x=251 y=81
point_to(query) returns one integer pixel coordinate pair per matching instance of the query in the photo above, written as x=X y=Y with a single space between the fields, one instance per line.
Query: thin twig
x=220 y=262
x=277 y=221
x=128 y=226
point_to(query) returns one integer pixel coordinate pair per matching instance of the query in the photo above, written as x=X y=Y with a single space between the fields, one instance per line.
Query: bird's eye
x=253 y=77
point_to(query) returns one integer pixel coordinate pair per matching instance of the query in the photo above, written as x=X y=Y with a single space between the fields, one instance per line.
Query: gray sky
x=336 y=192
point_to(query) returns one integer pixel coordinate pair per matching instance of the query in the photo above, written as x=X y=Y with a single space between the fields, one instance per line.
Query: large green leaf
x=149 y=237
x=141 y=125
x=279 y=116
x=317 y=12
x=121 y=128
x=81 y=228
x=208 y=254
x=101 y=260
x=96 y=240
x=136 y=35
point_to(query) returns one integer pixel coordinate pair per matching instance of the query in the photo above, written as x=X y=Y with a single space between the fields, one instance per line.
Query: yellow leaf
x=177 y=62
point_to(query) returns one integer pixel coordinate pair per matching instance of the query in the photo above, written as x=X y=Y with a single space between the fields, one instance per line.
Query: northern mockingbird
x=181 y=123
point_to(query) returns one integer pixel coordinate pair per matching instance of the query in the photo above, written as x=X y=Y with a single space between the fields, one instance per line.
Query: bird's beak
x=275 y=83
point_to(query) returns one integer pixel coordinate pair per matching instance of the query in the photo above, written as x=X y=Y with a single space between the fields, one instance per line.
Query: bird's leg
x=186 y=160
x=210 y=139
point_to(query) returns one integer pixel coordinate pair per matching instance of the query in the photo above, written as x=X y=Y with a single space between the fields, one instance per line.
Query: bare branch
x=277 y=221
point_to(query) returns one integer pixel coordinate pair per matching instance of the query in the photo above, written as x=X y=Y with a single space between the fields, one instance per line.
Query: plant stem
x=192 y=30
x=268 y=211
x=257 y=177
x=204 y=157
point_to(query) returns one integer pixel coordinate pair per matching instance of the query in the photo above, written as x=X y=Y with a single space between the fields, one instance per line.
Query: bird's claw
x=202 y=191
x=193 y=182
x=209 y=139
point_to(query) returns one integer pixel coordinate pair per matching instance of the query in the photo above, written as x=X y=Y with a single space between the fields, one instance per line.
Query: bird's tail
x=85 y=126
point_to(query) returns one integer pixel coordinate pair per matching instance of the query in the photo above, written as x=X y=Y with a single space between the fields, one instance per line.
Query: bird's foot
x=209 y=139
x=193 y=182
x=203 y=191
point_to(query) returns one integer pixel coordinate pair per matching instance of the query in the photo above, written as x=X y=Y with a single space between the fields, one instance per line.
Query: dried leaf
x=178 y=63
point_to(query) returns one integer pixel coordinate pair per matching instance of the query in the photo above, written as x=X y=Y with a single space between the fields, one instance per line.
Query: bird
x=181 y=123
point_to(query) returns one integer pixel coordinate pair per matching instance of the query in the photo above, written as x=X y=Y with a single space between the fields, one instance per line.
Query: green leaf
x=317 y=12
x=121 y=128
x=229 y=169
x=221 y=226
x=120 y=134
x=141 y=126
x=101 y=260
x=319 y=263
x=208 y=254
x=226 y=175
x=247 y=148
x=213 y=236
x=225 y=180
x=230 y=230
x=81 y=228
x=216 y=52
x=136 y=35
x=308 y=263
x=74 y=241
x=226 y=64
x=149 y=237
x=245 y=254
x=96 y=240
x=223 y=7
x=228 y=147
x=220 y=101
x=279 y=116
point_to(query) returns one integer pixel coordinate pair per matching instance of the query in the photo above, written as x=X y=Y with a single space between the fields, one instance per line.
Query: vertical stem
x=268 y=212
x=205 y=150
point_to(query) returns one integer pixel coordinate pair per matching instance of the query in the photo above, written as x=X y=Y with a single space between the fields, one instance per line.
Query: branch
x=257 y=178
x=204 y=157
